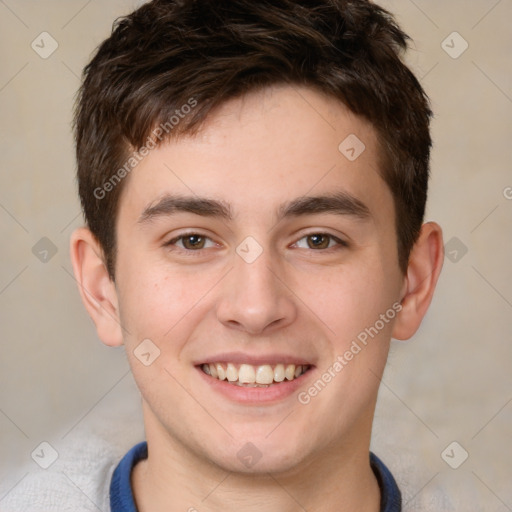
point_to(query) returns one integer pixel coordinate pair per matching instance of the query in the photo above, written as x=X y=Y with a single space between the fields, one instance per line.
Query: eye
x=191 y=242
x=320 y=241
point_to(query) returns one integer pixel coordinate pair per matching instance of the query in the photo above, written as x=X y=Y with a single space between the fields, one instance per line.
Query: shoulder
x=77 y=481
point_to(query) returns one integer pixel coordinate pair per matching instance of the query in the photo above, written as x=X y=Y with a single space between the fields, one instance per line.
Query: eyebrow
x=170 y=204
x=338 y=203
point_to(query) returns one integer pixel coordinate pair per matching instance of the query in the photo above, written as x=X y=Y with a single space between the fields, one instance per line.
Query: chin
x=260 y=454
x=252 y=461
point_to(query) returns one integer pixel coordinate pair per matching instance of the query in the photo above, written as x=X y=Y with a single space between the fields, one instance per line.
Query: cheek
x=155 y=309
x=359 y=308
x=348 y=301
x=162 y=304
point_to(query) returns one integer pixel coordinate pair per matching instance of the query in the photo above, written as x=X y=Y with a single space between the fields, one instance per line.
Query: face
x=262 y=249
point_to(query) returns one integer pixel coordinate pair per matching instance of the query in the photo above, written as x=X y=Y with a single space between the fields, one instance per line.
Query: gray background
x=452 y=382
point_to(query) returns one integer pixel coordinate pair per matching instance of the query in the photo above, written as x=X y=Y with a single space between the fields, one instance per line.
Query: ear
x=97 y=290
x=425 y=263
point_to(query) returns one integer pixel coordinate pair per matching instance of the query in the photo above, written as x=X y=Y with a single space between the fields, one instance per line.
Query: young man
x=254 y=178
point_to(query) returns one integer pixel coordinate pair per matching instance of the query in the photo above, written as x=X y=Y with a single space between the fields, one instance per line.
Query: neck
x=173 y=478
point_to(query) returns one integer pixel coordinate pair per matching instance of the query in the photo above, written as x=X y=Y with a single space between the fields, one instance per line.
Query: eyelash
x=341 y=244
x=185 y=235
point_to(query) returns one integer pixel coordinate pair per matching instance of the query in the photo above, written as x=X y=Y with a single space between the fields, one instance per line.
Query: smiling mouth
x=247 y=375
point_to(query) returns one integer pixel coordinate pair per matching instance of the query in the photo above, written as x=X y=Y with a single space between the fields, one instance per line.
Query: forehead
x=262 y=149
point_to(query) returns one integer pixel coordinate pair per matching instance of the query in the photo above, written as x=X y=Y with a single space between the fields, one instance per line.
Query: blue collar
x=121 y=495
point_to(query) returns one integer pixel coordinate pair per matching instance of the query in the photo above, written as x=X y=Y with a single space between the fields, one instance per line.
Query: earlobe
x=96 y=289
x=425 y=264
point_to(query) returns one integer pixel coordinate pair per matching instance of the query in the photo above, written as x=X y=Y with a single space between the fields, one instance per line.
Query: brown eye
x=193 y=242
x=318 y=241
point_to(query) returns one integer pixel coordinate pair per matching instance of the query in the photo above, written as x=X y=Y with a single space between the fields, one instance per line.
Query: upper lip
x=255 y=360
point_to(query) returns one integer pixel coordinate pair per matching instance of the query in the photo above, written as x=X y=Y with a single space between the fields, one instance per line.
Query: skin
x=255 y=154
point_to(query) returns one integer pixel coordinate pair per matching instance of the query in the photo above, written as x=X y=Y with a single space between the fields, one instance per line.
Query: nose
x=255 y=297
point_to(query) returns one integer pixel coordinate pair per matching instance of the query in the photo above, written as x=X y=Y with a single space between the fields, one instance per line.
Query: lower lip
x=256 y=395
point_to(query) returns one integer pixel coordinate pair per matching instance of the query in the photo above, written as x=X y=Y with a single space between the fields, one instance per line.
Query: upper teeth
x=249 y=374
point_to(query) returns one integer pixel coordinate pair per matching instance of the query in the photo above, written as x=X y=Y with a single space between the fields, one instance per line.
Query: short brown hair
x=168 y=52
